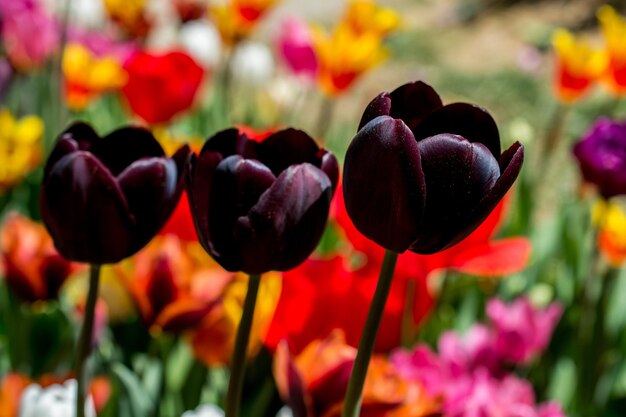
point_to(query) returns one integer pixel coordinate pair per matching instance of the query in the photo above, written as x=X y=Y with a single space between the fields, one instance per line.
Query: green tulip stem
x=238 y=363
x=352 y=402
x=85 y=339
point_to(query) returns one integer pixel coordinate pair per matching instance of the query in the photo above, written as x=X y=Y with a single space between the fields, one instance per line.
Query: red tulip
x=160 y=87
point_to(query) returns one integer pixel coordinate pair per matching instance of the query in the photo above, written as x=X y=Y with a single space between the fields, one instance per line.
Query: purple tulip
x=103 y=199
x=601 y=155
x=422 y=176
x=260 y=206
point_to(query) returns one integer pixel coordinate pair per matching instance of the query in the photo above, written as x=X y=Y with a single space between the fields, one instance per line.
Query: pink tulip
x=295 y=48
x=521 y=330
x=29 y=34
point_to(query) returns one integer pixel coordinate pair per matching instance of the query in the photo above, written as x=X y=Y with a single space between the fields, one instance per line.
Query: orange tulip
x=235 y=19
x=578 y=65
x=88 y=76
x=314 y=382
x=31 y=266
x=614 y=31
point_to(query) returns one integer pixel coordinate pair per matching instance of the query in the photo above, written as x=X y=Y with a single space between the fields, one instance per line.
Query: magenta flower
x=601 y=155
x=481 y=395
x=30 y=36
x=521 y=330
x=295 y=48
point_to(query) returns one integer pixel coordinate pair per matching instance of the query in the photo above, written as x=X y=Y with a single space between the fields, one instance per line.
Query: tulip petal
x=472 y=122
x=64 y=147
x=492 y=259
x=458 y=174
x=286 y=148
x=124 y=146
x=183 y=314
x=379 y=106
x=383 y=183
x=330 y=166
x=77 y=196
x=198 y=182
x=286 y=224
x=412 y=102
x=81 y=133
x=150 y=186
x=231 y=142
x=237 y=186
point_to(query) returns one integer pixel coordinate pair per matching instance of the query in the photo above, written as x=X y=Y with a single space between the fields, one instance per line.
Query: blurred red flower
x=161 y=86
x=338 y=296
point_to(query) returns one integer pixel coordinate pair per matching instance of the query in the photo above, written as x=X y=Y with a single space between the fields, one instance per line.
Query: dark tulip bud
x=422 y=176
x=103 y=199
x=261 y=206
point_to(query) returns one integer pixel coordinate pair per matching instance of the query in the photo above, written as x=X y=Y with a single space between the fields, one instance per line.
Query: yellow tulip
x=614 y=31
x=610 y=219
x=87 y=76
x=578 y=65
x=20 y=146
x=366 y=16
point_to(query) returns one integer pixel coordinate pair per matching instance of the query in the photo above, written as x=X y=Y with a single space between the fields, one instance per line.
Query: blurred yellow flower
x=235 y=19
x=610 y=218
x=578 y=65
x=88 y=76
x=20 y=146
x=614 y=31
x=365 y=16
x=344 y=55
x=130 y=15
x=214 y=340
x=172 y=142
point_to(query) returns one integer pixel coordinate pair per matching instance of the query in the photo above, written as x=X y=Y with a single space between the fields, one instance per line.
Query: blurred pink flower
x=482 y=395
x=295 y=47
x=551 y=409
x=521 y=330
x=102 y=44
x=29 y=34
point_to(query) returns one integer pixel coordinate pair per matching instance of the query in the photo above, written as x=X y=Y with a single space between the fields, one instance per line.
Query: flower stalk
x=238 y=363
x=352 y=402
x=85 y=338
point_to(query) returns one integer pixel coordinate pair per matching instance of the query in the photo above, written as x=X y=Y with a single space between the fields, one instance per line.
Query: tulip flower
x=235 y=19
x=313 y=382
x=31 y=266
x=160 y=87
x=11 y=388
x=130 y=16
x=53 y=401
x=610 y=219
x=578 y=66
x=260 y=206
x=614 y=31
x=601 y=155
x=422 y=176
x=20 y=147
x=87 y=76
x=295 y=47
x=29 y=34
x=365 y=16
x=205 y=410
x=103 y=199
x=419 y=176
x=522 y=331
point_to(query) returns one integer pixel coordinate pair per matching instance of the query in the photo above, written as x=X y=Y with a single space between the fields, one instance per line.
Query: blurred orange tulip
x=31 y=266
x=578 y=66
x=614 y=31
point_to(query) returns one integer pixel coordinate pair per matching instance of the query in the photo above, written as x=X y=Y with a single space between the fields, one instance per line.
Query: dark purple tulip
x=601 y=155
x=103 y=199
x=422 y=176
x=260 y=206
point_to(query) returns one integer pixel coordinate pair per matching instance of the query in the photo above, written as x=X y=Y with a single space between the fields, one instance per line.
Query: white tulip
x=205 y=410
x=53 y=401
x=202 y=41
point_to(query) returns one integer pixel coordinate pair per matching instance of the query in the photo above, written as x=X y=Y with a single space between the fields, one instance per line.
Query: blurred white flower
x=83 y=13
x=53 y=401
x=285 y=412
x=252 y=62
x=205 y=410
x=202 y=41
